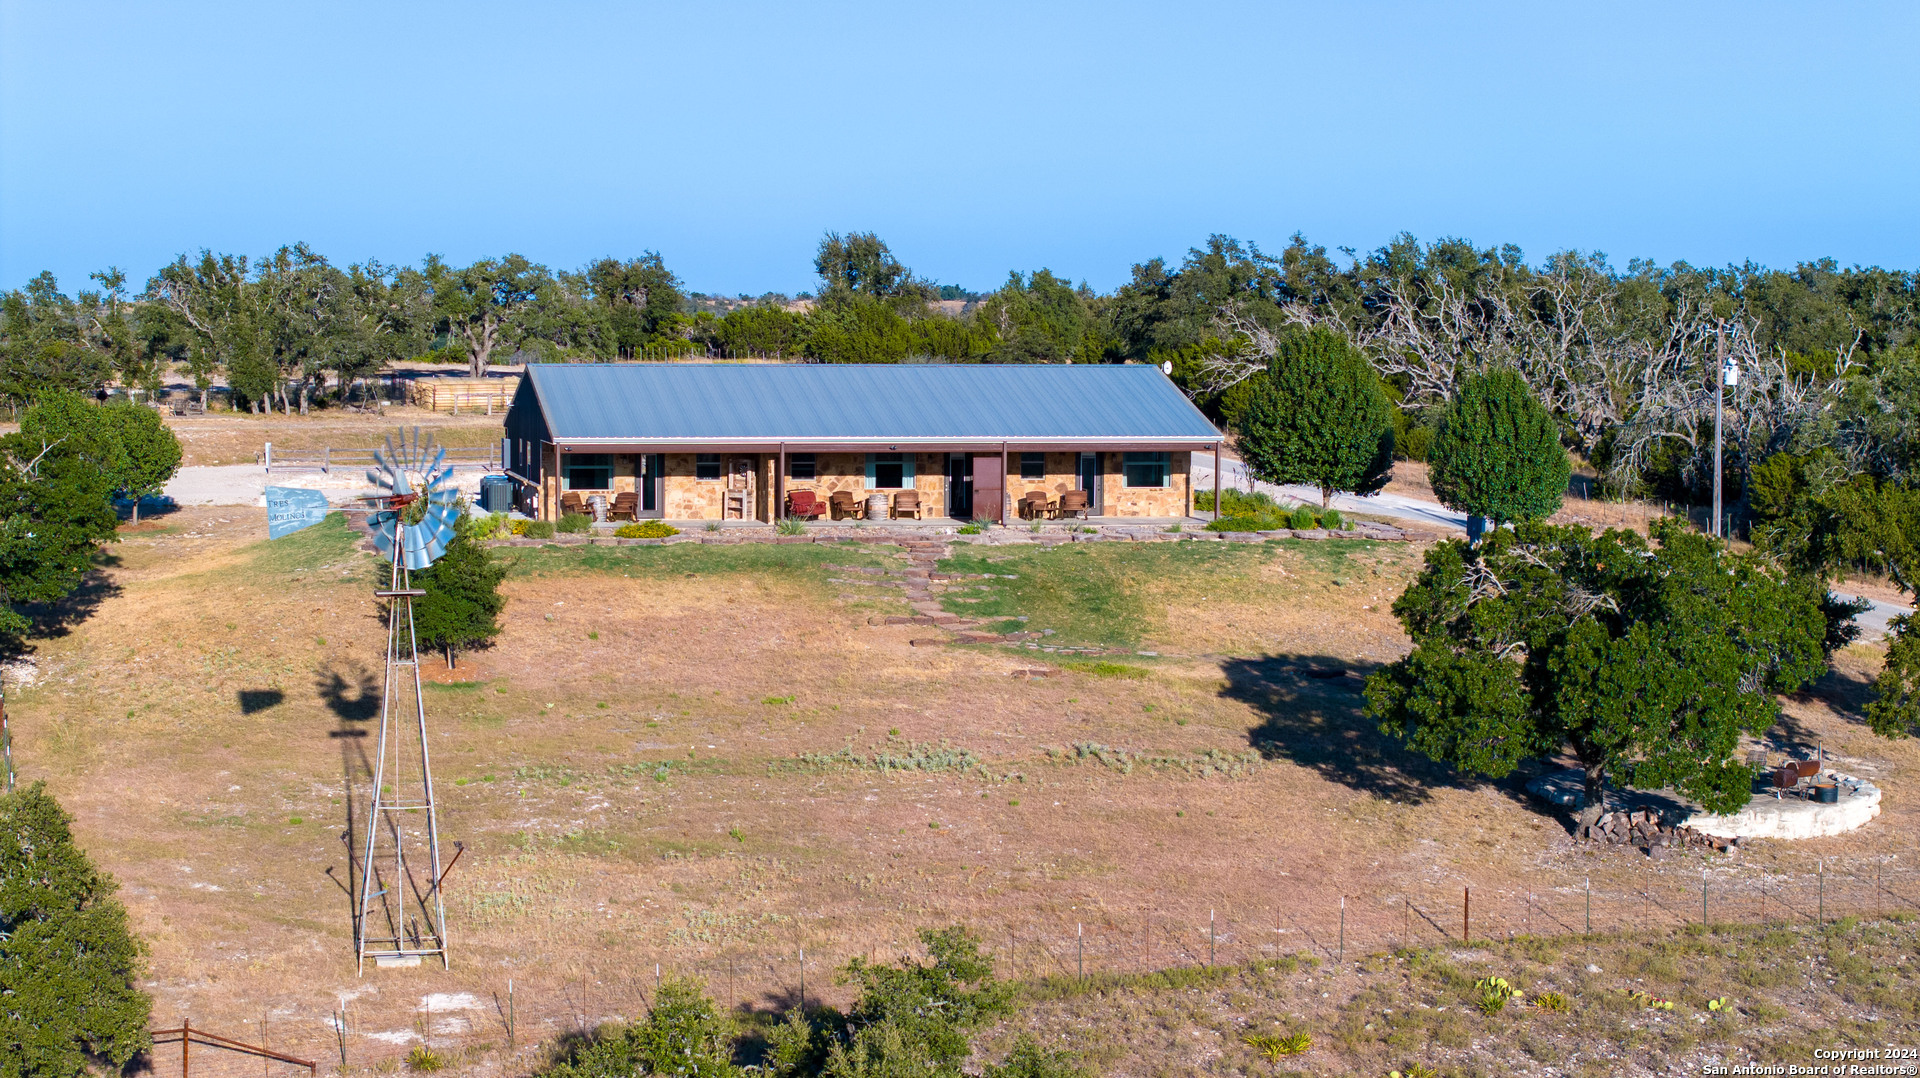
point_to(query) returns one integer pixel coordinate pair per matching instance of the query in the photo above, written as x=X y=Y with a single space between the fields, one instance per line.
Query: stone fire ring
x=1797 y=817
x=1764 y=817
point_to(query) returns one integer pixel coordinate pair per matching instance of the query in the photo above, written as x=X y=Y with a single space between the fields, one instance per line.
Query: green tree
x=55 y=508
x=1319 y=416
x=211 y=299
x=152 y=452
x=683 y=1033
x=462 y=604
x=485 y=307
x=1044 y=319
x=859 y=266
x=1645 y=662
x=1497 y=454
x=67 y=957
x=639 y=301
x=45 y=343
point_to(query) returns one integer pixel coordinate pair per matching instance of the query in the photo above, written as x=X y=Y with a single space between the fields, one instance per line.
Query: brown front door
x=989 y=487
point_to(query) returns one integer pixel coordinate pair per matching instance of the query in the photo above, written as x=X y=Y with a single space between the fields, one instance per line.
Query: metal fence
x=1118 y=944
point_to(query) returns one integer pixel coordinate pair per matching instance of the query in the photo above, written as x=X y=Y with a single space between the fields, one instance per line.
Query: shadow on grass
x=354 y=697
x=58 y=618
x=1314 y=715
x=254 y=701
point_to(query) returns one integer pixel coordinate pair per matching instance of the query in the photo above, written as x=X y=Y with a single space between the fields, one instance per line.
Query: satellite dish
x=1166 y=367
x=416 y=471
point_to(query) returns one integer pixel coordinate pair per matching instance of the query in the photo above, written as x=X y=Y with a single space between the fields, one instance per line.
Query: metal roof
x=864 y=403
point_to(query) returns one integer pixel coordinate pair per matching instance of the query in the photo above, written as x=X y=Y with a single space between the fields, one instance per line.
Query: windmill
x=401 y=917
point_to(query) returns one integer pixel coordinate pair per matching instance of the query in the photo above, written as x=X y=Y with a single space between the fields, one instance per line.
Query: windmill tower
x=401 y=918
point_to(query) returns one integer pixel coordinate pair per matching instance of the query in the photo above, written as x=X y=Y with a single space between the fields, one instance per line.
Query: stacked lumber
x=488 y=395
x=1644 y=827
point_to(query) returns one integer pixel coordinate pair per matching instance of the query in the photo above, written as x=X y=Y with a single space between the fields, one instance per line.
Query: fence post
x=1080 y=949
x=1703 y=898
x=1343 y=930
x=186 y=1042
x=269 y=458
x=1466 y=914
x=1210 y=961
x=803 y=982
x=1589 y=905
x=509 y=1014
x=1822 y=869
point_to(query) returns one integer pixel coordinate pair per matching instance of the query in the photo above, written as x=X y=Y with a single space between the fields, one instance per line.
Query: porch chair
x=842 y=505
x=805 y=504
x=1035 y=505
x=625 y=504
x=1073 y=501
x=573 y=502
x=739 y=493
x=907 y=503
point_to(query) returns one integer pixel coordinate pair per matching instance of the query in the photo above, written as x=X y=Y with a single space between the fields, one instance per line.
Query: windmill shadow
x=354 y=699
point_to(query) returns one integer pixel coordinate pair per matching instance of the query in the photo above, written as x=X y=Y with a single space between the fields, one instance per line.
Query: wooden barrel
x=877 y=506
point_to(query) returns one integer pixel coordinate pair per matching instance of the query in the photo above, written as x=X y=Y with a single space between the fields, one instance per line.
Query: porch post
x=1216 y=480
x=780 y=483
x=1006 y=489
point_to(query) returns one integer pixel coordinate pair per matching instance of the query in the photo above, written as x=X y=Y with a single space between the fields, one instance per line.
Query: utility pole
x=1719 y=397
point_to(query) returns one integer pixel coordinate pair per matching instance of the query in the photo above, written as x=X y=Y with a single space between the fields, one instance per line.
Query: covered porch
x=947 y=485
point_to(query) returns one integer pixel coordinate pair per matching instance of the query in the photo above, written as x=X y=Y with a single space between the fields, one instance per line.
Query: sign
x=290 y=509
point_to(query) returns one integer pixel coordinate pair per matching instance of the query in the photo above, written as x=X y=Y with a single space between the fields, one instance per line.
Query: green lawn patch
x=806 y=561
x=1116 y=594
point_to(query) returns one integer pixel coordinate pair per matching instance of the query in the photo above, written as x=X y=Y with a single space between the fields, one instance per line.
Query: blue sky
x=975 y=138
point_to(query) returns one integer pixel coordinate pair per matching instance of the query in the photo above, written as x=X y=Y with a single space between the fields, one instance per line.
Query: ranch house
x=756 y=442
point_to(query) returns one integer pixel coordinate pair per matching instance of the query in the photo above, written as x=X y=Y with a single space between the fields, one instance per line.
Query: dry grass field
x=709 y=758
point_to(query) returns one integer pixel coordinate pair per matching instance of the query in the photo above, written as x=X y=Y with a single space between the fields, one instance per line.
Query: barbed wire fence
x=1195 y=935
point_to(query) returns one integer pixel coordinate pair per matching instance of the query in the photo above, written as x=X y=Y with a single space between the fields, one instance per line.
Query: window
x=706 y=466
x=586 y=471
x=1145 y=469
x=800 y=466
x=1033 y=465
x=889 y=470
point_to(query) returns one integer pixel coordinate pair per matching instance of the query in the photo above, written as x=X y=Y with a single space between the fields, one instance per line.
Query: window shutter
x=906 y=469
x=870 y=475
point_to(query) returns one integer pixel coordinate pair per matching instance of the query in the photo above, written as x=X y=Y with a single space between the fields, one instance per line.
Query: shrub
x=684 y=1033
x=538 y=529
x=462 y=604
x=1302 y=519
x=1495 y=994
x=909 y=1019
x=1029 y=1060
x=1553 y=1002
x=1331 y=519
x=1245 y=524
x=424 y=1060
x=970 y=529
x=1277 y=1047
x=646 y=529
x=519 y=527
x=790 y=526
x=575 y=523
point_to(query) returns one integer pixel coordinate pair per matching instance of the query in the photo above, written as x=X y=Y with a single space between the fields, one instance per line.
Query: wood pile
x=1643 y=827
